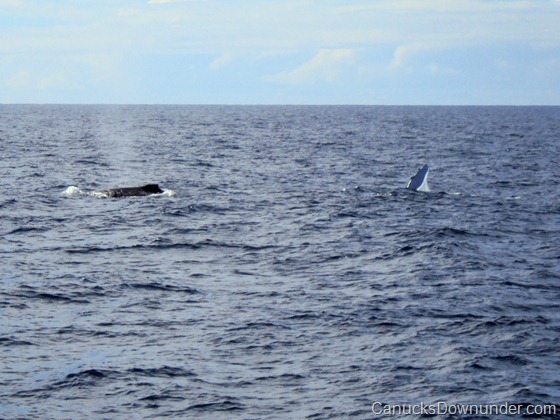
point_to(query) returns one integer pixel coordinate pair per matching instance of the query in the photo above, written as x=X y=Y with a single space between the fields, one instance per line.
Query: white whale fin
x=419 y=182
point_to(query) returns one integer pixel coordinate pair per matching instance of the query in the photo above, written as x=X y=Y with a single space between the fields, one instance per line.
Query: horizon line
x=266 y=104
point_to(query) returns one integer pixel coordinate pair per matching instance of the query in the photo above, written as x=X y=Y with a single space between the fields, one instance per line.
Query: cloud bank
x=443 y=51
x=326 y=65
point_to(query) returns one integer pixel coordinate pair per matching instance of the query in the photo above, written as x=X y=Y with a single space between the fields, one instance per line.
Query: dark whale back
x=148 y=189
x=152 y=189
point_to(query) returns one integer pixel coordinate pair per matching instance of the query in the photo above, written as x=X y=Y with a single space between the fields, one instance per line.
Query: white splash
x=72 y=191
x=168 y=193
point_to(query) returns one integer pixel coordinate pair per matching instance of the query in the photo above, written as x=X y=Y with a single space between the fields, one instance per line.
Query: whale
x=419 y=182
x=148 y=189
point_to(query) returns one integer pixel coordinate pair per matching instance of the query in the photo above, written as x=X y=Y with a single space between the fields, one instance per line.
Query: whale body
x=148 y=189
x=419 y=182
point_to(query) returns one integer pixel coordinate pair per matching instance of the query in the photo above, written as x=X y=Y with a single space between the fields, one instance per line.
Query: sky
x=371 y=52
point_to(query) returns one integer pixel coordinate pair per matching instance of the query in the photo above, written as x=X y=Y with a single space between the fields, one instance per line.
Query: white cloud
x=40 y=80
x=443 y=6
x=403 y=54
x=198 y=26
x=325 y=65
x=10 y=3
x=170 y=1
x=437 y=70
x=63 y=72
x=221 y=61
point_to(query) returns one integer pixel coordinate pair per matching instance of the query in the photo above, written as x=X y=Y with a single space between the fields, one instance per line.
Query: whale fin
x=419 y=182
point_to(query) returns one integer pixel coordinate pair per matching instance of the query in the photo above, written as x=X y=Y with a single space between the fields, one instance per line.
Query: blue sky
x=417 y=52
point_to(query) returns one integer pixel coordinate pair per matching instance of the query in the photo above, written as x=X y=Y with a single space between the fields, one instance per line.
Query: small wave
x=8 y=342
x=161 y=287
x=27 y=229
x=7 y=203
x=160 y=245
x=258 y=325
x=201 y=208
x=163 y=372
x=136 y=246
x=452 y=231
x=91 y=373
x=92 y=162
x=90 y=377
x=511 y=359
x=226 y=405
x=81 y=379
x=52 y=297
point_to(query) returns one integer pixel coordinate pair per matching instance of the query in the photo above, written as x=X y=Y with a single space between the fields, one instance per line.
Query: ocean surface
x=288 y=273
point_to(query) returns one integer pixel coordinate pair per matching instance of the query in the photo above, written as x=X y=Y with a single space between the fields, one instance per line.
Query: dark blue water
x=292 y=275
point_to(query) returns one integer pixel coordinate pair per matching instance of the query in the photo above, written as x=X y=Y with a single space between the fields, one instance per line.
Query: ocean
x=287 y=272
